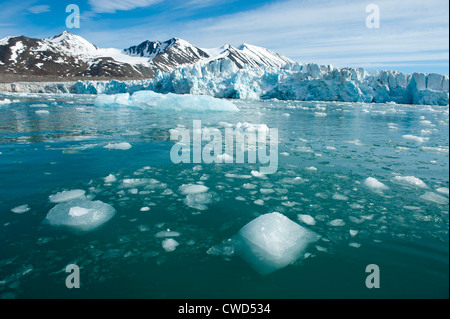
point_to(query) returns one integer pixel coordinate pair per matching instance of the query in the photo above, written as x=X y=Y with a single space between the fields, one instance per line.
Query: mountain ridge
x=69 y=55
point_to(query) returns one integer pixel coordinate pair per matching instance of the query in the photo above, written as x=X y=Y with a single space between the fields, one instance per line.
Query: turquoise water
x=327 y=151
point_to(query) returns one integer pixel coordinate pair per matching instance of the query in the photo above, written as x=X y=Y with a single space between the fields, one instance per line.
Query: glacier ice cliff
x=305 y=82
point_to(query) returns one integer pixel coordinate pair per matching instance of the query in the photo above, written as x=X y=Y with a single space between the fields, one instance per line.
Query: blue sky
x=413 y=35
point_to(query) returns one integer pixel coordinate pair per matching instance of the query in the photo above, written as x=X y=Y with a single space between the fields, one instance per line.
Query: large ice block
x=272 y=241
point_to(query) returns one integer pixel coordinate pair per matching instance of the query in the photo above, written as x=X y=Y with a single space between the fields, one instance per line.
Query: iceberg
x=80 y=215
x=150 y=99
x=272 y=241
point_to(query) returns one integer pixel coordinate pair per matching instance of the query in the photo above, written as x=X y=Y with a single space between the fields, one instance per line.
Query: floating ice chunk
x=258 y=174
x=416 y=139
x=167 y=233
x=199 y=201
x=336 y=223
x=409 y=181
x=232 y=175
x=355 y=245
x=114 y=100
x=21 y=209
x=320 y=114
x=311 y=169
x=66 y=196
x=80 y=214
x=306 y=219
x=443 y=149
x=259 y=202
x=442 y=190
x=284 y=154
x=169 y=244
x=340 y=197
x=435 y=198
x=249 y=186
x=353 y=232
x=144 y=209
x=272 y=241
x=42 y=112
x=119 y=146
x=110 y=178
x=149 y=99
x=224 y=158
x=330 y=148
x=374 y=185
x=193 y=189
x=5 y=101
x=266 y=191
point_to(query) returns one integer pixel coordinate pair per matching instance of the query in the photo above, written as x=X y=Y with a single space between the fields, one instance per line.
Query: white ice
x=375 y=185
x=416 y=139
x=272 y=241
x=21 y=209
x=409 y=181
x=306 y=219
x=110 y=178
x=169 y=244
x=435 y=198
x=80 y=214
x=119 y=146
x=192 y=189
x=150 y=99
x=66 y=196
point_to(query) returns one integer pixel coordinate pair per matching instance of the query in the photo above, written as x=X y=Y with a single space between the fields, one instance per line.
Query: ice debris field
x=91 y=183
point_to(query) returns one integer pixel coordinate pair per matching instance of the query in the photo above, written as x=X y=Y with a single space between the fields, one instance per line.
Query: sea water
x=371 y=180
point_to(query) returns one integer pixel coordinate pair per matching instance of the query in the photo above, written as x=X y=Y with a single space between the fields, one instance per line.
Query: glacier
x=294 y=81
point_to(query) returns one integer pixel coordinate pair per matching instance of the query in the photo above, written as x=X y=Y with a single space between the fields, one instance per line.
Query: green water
x=402 y=232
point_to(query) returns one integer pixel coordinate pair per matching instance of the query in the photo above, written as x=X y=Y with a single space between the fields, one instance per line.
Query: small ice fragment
x=42 y=112
x=66 y=196
x=284 y=154
x=416 y=139
x=355 y=245
x=21 y=209
x=320 y=114
x=442 y=190
x=336 y=223
x=353 y=233
x=167 y=233
x=311 y=169
x=119 y=146
x=259 y=202
x=409 y=181
x=145 y=209
x=340 y=197
x=110 y=178
x=306 y=219
x=193 y=189
x=258 y=174
x=374 y=184
x=435 y=198
x=330 y=148
x=169 y=244
x=224 y=158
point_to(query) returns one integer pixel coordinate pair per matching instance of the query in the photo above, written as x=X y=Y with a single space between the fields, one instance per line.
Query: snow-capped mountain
x=69 y=55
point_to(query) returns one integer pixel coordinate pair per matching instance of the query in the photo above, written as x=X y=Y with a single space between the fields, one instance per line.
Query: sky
x=413 y=35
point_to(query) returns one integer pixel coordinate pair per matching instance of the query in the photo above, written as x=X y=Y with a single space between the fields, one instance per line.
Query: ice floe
x=80 y=215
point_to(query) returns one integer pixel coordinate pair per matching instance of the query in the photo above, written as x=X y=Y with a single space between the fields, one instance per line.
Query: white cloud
x=39 y=9
x=111 y=6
